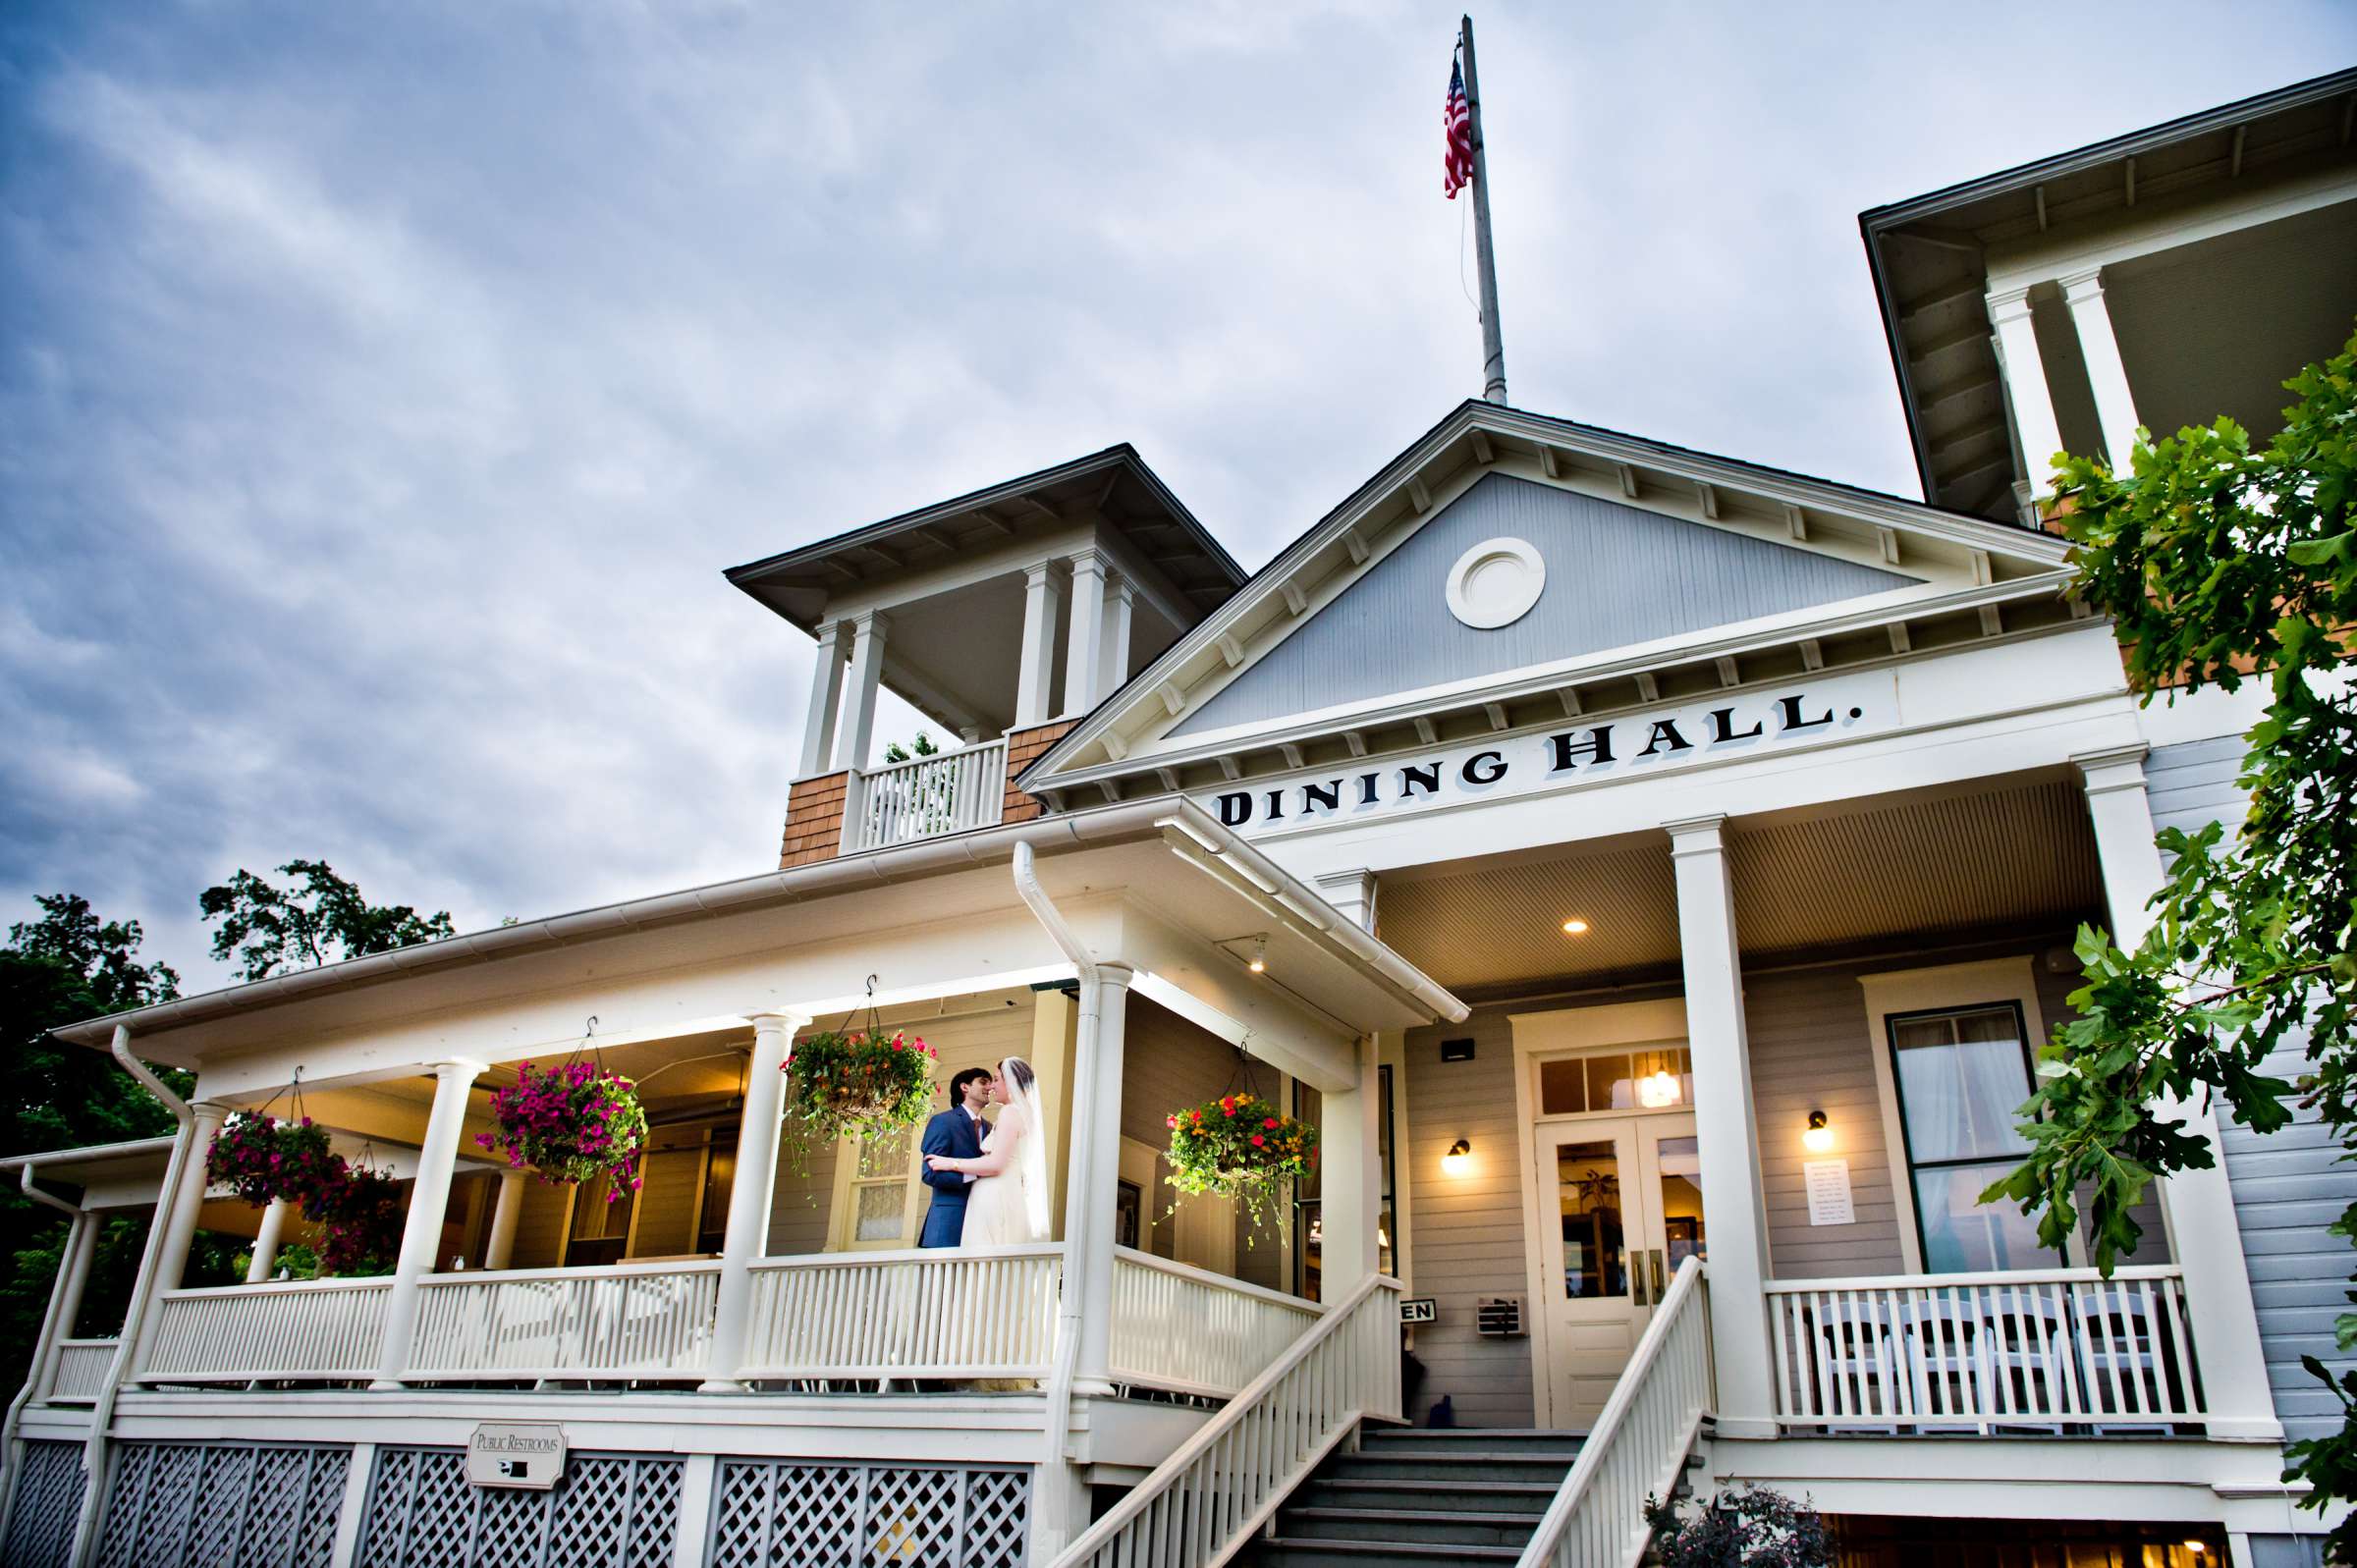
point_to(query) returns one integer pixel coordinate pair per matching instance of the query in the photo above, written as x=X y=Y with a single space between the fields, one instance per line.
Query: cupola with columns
x=1006 y=615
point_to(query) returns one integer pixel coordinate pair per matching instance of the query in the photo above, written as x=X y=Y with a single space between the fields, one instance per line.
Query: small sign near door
x=1418 y=1309
x=1827 y=1183
x=516 y=1455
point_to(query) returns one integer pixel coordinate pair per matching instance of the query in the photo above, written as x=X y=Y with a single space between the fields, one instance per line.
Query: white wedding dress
x=999 y=1209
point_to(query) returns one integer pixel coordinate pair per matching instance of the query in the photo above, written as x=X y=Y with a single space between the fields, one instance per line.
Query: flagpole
x=1492 y=343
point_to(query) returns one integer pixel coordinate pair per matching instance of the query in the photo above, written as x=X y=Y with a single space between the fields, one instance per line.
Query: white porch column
x=749 y=1191
x=429 y=1201
x=2115 y=405
x=1035 y=680
x=1114 y=667
x=265 y=1244
x=826 y=698
x=1725 y=1127
x=1084 y=648
x=1088 y=1230
x=1350 y=1181
x=65 y=1306
x=499 y=1249
x=868 y=631
x=2026 y=391
x=178 y=1215
x=2200 y=1203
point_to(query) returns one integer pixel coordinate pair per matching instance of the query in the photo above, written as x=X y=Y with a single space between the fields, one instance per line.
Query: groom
x=957 y=1133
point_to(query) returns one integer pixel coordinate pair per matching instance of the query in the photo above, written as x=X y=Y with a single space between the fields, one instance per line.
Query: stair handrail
x=1640 y=1441
x=1201 y=1504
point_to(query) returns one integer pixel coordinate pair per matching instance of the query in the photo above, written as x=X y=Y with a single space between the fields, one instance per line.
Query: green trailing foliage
x=2222 y=562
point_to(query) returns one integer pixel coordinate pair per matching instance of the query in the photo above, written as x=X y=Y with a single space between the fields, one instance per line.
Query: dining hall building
x=1652 y=871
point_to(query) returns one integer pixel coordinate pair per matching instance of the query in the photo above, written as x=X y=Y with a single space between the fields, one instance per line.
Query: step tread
x=1476 y=1456
x=1487 y=1488
x=1389 y=1548
x=1421 y=1516
x=1387 y=1434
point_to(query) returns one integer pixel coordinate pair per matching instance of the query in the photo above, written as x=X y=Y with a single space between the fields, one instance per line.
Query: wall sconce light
x=1260 y=955
x=1819 y=1139
x=1458 y=1158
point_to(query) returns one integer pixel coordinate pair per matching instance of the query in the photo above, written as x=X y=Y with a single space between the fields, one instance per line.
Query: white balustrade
x=625 y=1320
x=925 y=798
x=312 y=1328
x=985 y=1312
x=1222 y=1483
x=1639 y=1443
x=1196 y=1333
x=82 y=1367
x=2044 y=1351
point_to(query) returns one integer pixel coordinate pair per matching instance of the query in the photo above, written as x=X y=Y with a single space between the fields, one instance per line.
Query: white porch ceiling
x=2011 y=857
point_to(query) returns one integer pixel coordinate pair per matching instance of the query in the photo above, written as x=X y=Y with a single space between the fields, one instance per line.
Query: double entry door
x=1621 y=1207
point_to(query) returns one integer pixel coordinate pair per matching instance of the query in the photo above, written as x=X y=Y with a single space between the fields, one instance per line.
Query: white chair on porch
x=2027 y=1335
x=1949 y=1371
x=1858 y=1365
x=2127 y=1369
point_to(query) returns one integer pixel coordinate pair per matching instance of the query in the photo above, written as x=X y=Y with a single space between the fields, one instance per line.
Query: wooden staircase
x=1419 y=1497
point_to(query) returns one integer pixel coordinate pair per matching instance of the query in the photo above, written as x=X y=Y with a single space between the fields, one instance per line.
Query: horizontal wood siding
x=1811 y=1049
x=1467 y=1241
x=1167 y=1063
x=2288 y=1186
x=540 y=1224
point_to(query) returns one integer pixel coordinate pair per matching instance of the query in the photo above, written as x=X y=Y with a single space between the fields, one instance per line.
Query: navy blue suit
x=951 y=1132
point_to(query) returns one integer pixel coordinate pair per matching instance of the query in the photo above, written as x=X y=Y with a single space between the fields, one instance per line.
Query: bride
x=1007 y=1204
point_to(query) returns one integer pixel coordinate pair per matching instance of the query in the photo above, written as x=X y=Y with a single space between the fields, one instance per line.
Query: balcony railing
x=1196 y=1332
x=924 y=797
x=915 y=1313
x=2063 y=1350
x=628 y=1321
x=307 y=1330
x=82 y=1367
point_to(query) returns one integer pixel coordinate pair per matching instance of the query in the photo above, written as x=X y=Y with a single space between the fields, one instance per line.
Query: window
x=1308 y=1220
x=601 y=1230
x=1649 y=1078
x=1961 y=1075
x=883 y=1191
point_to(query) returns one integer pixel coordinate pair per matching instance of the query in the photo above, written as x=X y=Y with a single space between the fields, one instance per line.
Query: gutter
x=142 y=1291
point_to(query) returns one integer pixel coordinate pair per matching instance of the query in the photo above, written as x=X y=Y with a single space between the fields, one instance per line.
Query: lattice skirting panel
x=774 y=1513
x=48 y=1506
x=610 y=1511
x=201 y=1504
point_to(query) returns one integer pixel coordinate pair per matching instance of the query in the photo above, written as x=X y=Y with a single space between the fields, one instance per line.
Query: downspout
x=1085 y=1067
x=135 y=1318
x=44 y=1351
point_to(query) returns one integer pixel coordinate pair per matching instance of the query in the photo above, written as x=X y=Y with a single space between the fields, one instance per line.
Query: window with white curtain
x=1962 y=1075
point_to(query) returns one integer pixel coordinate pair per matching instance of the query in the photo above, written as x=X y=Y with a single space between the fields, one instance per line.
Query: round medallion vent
x=1495 y=583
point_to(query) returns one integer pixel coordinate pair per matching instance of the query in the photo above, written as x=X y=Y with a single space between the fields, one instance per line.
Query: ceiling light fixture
x=1575 y=927
x=1260 y=955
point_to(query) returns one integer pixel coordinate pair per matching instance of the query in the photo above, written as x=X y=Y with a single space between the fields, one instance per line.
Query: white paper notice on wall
x=1827 y=1181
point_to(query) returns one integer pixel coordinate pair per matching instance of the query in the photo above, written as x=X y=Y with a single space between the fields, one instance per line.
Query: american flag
x=1457 y=164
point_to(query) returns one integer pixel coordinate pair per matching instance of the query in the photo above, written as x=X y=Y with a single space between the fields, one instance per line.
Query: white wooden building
x=1650 y=870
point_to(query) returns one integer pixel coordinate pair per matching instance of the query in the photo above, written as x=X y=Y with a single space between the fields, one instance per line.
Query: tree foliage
x=2220 y=562
x=316 y=918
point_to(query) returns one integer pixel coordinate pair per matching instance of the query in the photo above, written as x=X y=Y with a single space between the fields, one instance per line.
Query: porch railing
x=1193 y=1332
x=82 y=1367
x=924 y=797
x=1638 y=1443
x=1205 y=1500
x=2046 y=1351
x=905 y=1313
x=312 y=1328
x=628 y=1321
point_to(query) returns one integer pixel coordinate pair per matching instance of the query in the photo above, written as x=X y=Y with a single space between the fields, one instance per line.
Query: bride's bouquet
x=1240 y=1146
x=862 y=1084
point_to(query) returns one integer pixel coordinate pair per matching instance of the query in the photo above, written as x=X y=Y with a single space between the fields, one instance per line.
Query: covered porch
x=1792 y=1043
x=736 y=1271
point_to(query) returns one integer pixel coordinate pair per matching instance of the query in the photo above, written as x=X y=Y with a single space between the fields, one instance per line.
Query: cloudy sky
x=384 y=387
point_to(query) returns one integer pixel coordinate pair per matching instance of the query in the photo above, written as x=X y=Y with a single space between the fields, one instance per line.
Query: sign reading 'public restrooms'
x=1598 y=750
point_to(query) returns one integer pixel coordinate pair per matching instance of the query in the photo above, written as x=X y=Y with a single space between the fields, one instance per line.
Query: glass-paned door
x=1621 y=1206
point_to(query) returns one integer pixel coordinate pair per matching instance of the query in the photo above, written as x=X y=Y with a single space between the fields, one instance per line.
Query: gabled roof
x=1926 y=254
x=1113 y=483
x=1962 y=561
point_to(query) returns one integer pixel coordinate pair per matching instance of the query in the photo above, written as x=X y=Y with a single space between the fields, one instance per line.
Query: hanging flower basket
x=1242 y=1147
x=858 y=1084
x=265 y=1159
x=360 y=1215
x=572 y=1122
